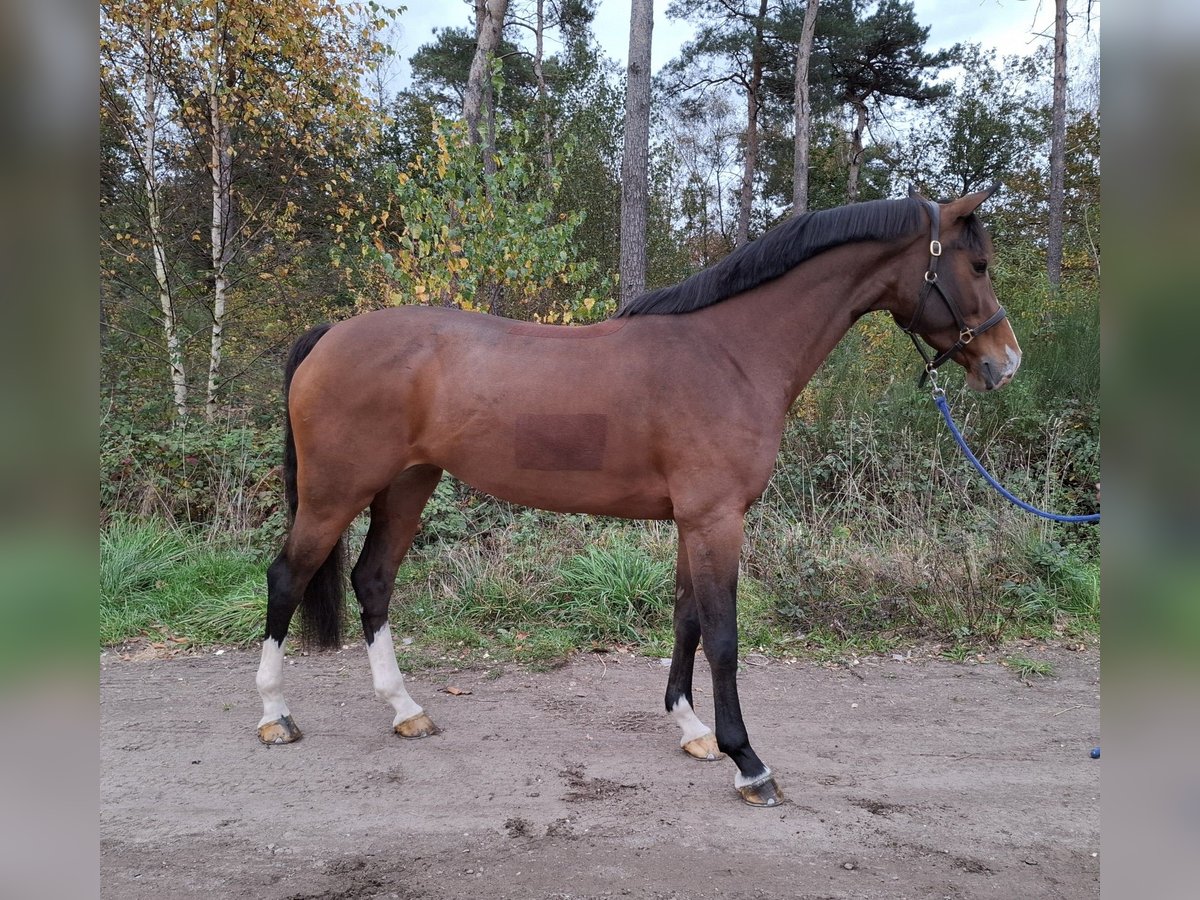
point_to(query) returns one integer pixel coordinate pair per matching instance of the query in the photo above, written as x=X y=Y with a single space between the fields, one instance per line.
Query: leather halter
x=966 y=334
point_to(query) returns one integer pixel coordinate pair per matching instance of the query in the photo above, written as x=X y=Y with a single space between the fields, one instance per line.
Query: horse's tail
x=324 y=598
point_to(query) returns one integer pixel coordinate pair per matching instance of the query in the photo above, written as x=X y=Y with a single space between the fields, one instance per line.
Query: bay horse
x=672 y=409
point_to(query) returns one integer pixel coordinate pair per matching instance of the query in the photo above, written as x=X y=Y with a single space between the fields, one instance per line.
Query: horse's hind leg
x=395 y=517
x=698 y=739
x=313 y=537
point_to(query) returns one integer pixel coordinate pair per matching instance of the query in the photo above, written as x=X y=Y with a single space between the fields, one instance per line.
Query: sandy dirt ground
x=903 y=779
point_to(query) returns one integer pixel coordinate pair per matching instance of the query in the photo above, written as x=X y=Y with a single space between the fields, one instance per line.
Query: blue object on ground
x=1095 y=753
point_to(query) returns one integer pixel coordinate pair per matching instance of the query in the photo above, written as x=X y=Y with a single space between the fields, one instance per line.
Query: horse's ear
x=964 y=206
x=913 y=193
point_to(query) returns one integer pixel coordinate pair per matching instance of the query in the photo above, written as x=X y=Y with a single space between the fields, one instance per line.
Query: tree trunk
x=489 y=24
x=150 y=169
x=222 y=184
x=635 y=160
x=856 y=150
x=489 y=136
x=753 y=104
x=803 y=111
x=543 y=94
x=1058 y=144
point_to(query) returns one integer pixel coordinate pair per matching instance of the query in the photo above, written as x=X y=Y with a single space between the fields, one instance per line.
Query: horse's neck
x=783 y=330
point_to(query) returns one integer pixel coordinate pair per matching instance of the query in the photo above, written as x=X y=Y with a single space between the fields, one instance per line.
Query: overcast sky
x=1007 y=25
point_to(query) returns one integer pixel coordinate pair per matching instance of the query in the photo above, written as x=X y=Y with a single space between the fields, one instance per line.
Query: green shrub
x=614 y=593
x=223 y=475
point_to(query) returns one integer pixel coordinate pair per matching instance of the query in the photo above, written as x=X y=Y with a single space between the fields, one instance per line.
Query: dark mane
x=781 y=249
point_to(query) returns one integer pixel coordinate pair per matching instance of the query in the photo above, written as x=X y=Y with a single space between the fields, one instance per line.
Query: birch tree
x=635 y=159
x=132 y=44
x=803 y=111
x=279 y=72
x=261 y=96
x=221 y=173
x=489 y=25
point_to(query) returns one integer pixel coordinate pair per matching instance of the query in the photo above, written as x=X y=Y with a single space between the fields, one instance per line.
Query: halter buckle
x=966 y=336
x=931 y=277
x=935 y=247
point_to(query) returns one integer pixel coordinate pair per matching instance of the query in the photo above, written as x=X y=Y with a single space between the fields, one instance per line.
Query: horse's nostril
x=989 y=374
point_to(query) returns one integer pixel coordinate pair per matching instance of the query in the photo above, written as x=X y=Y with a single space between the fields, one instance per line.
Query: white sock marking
x=741 y=781
x=389 y=683
x=270 y=682
x=686 y=718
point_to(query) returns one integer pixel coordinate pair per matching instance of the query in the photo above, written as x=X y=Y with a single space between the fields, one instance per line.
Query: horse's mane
x=781 y=249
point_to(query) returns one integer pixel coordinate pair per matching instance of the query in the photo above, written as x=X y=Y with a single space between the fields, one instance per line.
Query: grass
x=873 y=532
x=959 y=652
x=159 y=580
x=136 y=556
x=615 y=594
x=538 y=588
x=1024 y=667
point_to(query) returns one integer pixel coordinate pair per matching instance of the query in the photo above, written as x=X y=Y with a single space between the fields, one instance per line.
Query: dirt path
x=921 y=780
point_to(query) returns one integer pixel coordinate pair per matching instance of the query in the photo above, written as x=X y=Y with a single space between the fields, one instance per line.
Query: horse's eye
x=980 y=267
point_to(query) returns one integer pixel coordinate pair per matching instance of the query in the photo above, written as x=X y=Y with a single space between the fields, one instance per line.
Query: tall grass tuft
x=614 y=593
x=157 y=578
x=135 y=556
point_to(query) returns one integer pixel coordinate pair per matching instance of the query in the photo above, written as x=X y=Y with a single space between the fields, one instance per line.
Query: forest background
x=264 y=168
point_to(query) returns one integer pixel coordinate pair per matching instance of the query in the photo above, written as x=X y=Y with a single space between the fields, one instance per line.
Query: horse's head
x=954 y=308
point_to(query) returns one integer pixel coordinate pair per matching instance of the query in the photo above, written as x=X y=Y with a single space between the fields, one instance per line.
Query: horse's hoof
x=283 y=730
x=765 y=793
x=703 y=747
x=418 y=726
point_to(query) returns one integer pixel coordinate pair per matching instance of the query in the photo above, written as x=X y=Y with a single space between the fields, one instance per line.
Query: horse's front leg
x=698 y=739
x=713 y=544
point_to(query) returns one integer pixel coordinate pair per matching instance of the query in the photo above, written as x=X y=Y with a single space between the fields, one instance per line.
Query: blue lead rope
x=939 y=397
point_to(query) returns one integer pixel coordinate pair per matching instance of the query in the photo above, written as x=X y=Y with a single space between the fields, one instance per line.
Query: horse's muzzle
x=996 y=374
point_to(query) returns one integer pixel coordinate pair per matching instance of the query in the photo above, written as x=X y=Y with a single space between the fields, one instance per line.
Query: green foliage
x=222 y=475
x=590 y=127
x=445 y=516
x=867 y=53
x=136 y=556
x=442 y=67
x=986 y=129
x=1060 y=583
x=614 y=593
x=449 y=231
x=164 y=581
